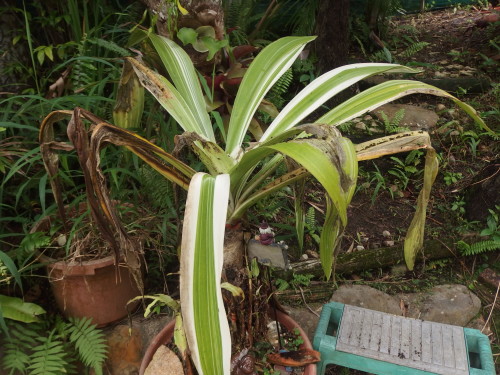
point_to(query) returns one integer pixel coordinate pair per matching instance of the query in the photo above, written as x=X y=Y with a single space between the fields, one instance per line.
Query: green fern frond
x=414 y=49
x=158 y=191
x=49 y=358
x=15 y=358
x=109 y=45
x=18 y=345
x=89 y=342
x=280 y=88
x=310 y=218
x=478 y=247
x=392 y=126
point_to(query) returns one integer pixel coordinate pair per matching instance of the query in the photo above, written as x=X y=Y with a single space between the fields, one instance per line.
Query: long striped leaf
x=386 y=92
x=183 y=74
x=205 y=322
x=168 y=97
x=323 y=88
x=269 y=65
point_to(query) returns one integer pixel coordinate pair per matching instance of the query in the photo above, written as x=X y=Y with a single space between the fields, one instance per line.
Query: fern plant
x=40 y=349
x=477 y=247
x=413 y=49
x=392 y=125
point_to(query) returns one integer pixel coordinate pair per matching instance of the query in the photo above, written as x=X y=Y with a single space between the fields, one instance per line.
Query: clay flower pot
x=165 y=336
x=96 y=288
x=92 y=289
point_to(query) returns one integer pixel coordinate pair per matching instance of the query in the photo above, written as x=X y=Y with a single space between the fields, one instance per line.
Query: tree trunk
x=332 y=28
x=332 y=44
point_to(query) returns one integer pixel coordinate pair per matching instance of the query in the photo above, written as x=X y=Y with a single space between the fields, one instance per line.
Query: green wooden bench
x=386 y=344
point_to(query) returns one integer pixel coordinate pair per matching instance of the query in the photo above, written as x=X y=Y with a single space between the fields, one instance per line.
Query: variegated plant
x=237 y=175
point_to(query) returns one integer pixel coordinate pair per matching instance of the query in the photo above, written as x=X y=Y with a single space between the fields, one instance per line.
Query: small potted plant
x=93 y=264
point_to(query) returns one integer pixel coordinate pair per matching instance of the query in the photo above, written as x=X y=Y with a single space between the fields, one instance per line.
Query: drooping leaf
x=376 y=96
x=414 y=240
x=392 y=144
x=330 y=235
x=324 y=158
x=323 y=88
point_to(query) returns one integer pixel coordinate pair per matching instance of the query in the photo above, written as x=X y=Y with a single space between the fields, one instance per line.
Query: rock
x=440 y=107
x=439 y=74
x=450 y=304
x=149 y=327
x=415 y=118
x=375 y=130
x=490 y=278
x=124 y=353
x=304 y=257
x=367 y=297
x=360 y=248
x=360 y=125
x=386 y=234
x=312 y=254
x=164 y=359
x=305 y=318
x=388 y=243
x=368 y=118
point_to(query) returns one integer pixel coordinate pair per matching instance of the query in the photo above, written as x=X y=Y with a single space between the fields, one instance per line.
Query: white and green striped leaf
x=269 y=65
x=322 y=89
x=168 y=97
x=205 y=321
x=386 y=92
x=183 y=74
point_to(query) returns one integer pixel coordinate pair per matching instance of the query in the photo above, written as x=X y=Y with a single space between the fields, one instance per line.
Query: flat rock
x=305 y=318
x=164 y=361
x=368 y=298
x=450 y=304
x=415 y=118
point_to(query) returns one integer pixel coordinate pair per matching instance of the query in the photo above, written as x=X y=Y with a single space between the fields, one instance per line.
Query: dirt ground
x=459 y=45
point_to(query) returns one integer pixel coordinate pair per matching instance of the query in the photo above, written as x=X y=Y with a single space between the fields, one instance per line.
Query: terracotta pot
x=92 y=289
x=166 y=334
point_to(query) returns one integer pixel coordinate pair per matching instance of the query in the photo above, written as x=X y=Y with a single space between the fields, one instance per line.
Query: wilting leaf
x=414 y=240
